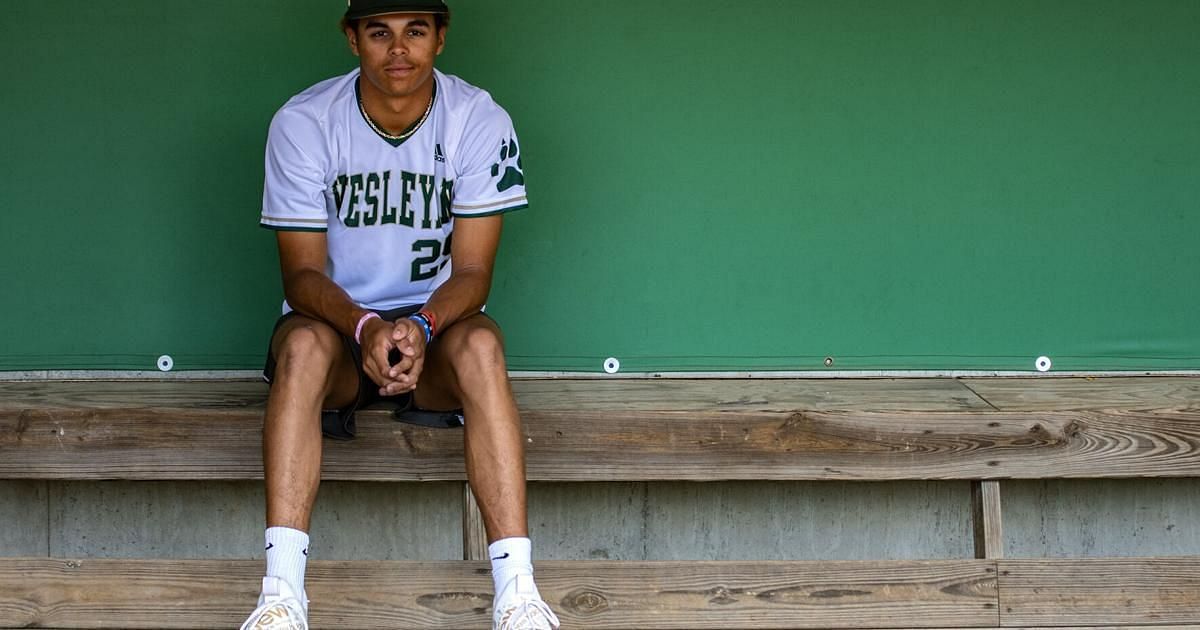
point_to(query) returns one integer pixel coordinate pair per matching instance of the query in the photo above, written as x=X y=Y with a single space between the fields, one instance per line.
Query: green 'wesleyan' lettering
x=408 y=182
x=365 y=199
x=352 y=213
x=339 y=191
x=447 y=200
x=389 y=213
x=369 y=218
x=427 y=188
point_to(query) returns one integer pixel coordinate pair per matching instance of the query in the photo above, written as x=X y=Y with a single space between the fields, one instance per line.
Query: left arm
x=472 y=259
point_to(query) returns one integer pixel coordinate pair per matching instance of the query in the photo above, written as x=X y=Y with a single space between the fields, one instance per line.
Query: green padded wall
x=923 y=184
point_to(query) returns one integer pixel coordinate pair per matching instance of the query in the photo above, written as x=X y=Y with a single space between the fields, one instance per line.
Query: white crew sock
x=287 y=555
x=510 y=557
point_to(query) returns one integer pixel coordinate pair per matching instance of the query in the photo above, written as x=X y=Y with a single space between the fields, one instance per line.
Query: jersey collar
x=411 y=131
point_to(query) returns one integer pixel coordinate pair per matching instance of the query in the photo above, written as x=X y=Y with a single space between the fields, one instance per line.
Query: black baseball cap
x=357 y=9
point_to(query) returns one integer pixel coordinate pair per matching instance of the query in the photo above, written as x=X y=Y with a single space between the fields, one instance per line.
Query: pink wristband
x=362 y=321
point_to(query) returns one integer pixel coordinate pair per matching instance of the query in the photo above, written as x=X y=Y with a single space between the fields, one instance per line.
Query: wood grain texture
x=1107 y=627
x=475 y=540
x=538 y=394
x=986 y=519
x=132 y=394
x=914 y=394
x=629 y=446
x=1072 y=394
x=55 y=593
x=1099 y=591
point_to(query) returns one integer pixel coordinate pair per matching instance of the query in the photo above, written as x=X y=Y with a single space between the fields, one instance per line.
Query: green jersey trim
x=266 y=218
x=458 y=215
x=407 y=133
x=511 y=201
x=289 y=228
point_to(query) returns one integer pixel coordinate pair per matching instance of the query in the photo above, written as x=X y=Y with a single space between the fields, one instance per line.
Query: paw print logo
x=510 y=164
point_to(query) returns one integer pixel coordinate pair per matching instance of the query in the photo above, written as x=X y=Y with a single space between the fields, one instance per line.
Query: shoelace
x=528 y=615
x=284 y=614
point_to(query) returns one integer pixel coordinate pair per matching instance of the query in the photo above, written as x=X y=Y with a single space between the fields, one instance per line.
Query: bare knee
x=308 y=353
x=477 y=352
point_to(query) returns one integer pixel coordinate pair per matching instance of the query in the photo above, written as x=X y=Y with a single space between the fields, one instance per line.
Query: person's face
x=397 y=51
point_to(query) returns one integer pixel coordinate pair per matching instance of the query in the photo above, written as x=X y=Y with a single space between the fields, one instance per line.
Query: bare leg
x=465 y=367
x=313 y=370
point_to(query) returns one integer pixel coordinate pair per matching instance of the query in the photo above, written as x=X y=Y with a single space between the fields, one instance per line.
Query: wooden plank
x=915 y=394
x=538 y=394
x=1173 y=626
x=1070 y=394
x=631 y=446
x=132 y=394
x=1164 y=627
x=475 y=541
x=55 y=593
x=1099 y=591
x=986 y=520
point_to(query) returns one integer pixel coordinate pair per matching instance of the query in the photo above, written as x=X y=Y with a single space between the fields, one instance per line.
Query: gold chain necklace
x=404 y=136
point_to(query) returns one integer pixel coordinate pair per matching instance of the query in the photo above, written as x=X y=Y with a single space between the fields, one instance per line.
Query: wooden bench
x=983 y=430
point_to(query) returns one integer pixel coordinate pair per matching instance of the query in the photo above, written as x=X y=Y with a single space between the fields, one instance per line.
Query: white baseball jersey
x=389 y=207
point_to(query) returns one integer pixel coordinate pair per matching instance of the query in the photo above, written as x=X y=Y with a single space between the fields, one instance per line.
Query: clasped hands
x=407 y=339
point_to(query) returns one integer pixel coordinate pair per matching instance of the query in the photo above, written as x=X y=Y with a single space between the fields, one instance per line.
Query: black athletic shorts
x=339 y=423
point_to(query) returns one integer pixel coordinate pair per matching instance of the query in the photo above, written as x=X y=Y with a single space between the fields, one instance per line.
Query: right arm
x=294 y=204
x=309 y=291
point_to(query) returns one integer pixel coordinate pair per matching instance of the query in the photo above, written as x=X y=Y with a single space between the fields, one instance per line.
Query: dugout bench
x=984 y=430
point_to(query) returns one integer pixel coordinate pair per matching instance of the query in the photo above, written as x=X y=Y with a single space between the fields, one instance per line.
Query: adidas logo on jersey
x=437 y=153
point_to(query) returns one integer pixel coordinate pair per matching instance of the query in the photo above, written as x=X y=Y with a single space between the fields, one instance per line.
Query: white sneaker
x=520 y=607
x=278 y=608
